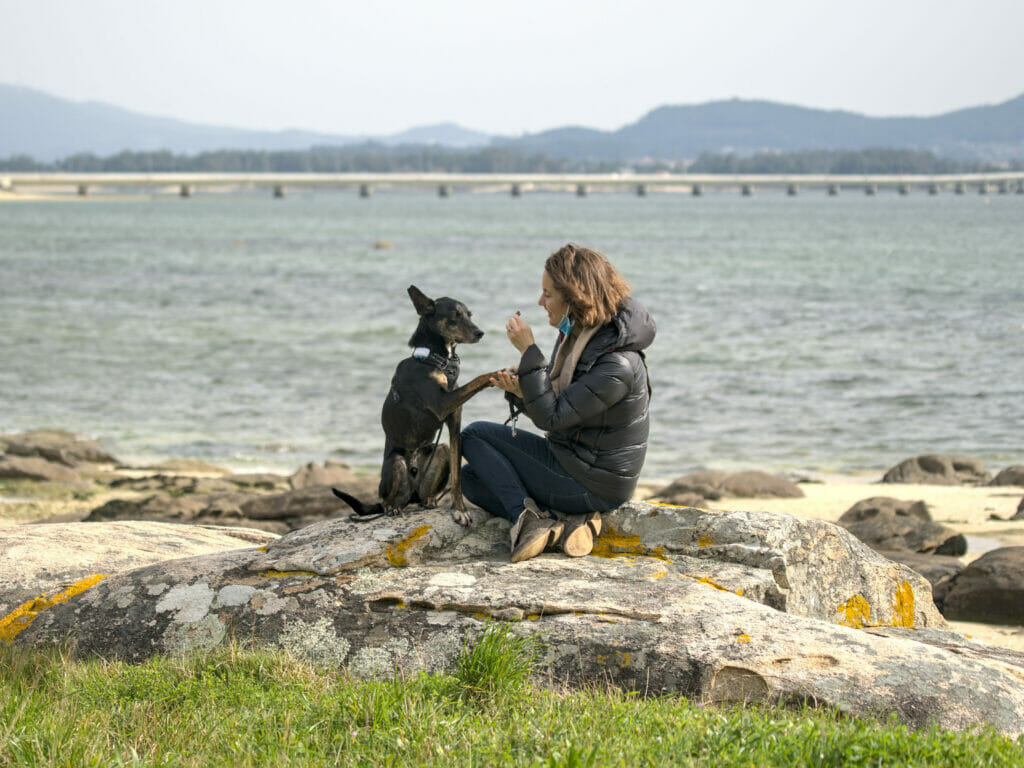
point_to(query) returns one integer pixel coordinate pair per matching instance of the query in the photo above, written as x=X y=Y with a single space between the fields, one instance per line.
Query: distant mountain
x=744 y=127
x=49 y=128
x=443 y=134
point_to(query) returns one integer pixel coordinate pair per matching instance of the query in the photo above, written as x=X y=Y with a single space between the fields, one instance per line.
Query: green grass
x=261 y=708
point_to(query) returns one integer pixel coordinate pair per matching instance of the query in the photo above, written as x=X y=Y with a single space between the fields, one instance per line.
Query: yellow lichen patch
x=21 y=617
x=740 y=591
x=611 y=543
x=262 y=549
x=659 y=574
x=744 y=638
x=396 y=552
x=855 y=612
x=710 y=583
x=532 y=616
x=903 y=605
x=705 y=541
x=622 y=659
x=272 y=574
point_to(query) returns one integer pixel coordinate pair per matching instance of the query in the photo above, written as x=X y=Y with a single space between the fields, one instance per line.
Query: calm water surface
x=801 y=334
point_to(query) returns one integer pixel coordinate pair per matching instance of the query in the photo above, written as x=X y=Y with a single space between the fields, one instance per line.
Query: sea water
x=807 y=334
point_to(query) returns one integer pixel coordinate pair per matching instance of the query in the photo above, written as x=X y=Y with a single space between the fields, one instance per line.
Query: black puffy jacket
x=598 y=426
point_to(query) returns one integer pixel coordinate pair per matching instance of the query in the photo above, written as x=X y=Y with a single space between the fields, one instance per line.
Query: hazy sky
x=381 y=66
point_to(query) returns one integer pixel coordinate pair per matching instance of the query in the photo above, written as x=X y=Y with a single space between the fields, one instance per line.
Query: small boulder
x=933 y=469
x=58 y=446
x=885 y=523
x=712 y=485
x=1010 y=476
x=865 y=509
x=331 y=473
x=989 y=590
x=35 y=468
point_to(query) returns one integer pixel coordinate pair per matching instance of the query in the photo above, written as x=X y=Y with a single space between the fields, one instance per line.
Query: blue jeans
x=501 y=470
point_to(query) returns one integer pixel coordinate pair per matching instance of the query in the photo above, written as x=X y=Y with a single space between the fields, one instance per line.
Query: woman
x=591 y=399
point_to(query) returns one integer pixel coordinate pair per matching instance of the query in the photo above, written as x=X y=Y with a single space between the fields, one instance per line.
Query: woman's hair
x=590 y=285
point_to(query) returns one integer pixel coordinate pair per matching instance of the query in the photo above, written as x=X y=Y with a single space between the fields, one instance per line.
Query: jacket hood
x=635 y=326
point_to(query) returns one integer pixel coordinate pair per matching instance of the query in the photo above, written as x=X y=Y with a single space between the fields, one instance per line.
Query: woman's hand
x=519 y=333
x=507 y=381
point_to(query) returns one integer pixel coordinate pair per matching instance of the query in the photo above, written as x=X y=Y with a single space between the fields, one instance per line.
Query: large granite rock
x=13 y=467
x=885 y=523
x=989 y=590
x=713 y=484
x=1010 y=476
x=730 y=606
x=932 y=469
x=36 y=559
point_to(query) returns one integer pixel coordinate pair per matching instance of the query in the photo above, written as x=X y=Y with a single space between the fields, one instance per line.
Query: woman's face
x=551 y=300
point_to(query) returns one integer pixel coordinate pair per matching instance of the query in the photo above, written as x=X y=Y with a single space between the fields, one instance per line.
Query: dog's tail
x=363 y=512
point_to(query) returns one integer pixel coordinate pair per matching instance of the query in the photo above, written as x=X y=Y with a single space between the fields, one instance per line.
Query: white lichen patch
x=124 y=596
x=440 y=650
x=317 y=642
x=377 y=661
x=156 y=589
x=384 y=534
x=234 y=594
x=204 y=634
x=266 y=603
x=318 y=598
x=452 y=579
x=191 y=602
x=441 y=618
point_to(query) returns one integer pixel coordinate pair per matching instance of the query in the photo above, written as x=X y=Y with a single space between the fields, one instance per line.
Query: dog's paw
x=462 y=517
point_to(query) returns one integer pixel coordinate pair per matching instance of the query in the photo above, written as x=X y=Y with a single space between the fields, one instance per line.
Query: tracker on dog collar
x=420 y=353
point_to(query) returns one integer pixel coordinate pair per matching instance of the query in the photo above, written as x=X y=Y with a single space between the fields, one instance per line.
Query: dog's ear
x=424 y=305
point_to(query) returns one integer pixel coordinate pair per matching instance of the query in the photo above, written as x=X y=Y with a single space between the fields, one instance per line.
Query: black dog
x=422 y=398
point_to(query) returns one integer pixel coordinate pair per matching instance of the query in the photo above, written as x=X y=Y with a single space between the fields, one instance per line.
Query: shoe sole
x=580 y=540
x=537 y=543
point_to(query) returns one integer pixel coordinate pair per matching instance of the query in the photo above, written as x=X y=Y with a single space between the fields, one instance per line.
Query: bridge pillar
x=186 y=190
x=641 y=190
x=747 y=190
x=833 y=190
x=83 y=190
x=792 y=190
x=516 y=190
x=444 y=190
x=6 y=184
x=1020 y=187
x=581 y=190
x=365 y=190
x=279 y=191
x=933 y=188
x=870 y=189
x=983 y=188
x=959 y=188
x=904 y=189
x=697 y=190
x=1003 y=187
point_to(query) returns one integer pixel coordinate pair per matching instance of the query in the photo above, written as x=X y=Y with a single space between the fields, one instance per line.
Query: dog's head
x=448 y=318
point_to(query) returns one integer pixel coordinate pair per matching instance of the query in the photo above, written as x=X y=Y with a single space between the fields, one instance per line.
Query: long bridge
x=516 y=184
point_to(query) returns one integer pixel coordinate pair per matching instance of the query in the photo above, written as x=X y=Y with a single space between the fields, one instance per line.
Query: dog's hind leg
x=396 y=488
x=433 y=473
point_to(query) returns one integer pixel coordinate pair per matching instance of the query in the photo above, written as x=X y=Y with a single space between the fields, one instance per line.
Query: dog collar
x=420 y=353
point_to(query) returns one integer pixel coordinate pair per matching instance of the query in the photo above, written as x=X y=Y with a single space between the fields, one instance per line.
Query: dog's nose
x=478 y=334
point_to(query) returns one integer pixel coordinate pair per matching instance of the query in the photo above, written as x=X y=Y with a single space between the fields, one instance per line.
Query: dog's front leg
x=454 y=422
x=453 y=401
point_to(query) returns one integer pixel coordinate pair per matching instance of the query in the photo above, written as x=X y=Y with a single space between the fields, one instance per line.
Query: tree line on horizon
x=376 y=158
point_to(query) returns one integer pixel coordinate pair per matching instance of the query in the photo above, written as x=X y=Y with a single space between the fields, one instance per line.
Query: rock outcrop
x=727 y=606
x=933 y=469
x=989 y=590
x=885 y=523
x=36 y=559
x=712 y=485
